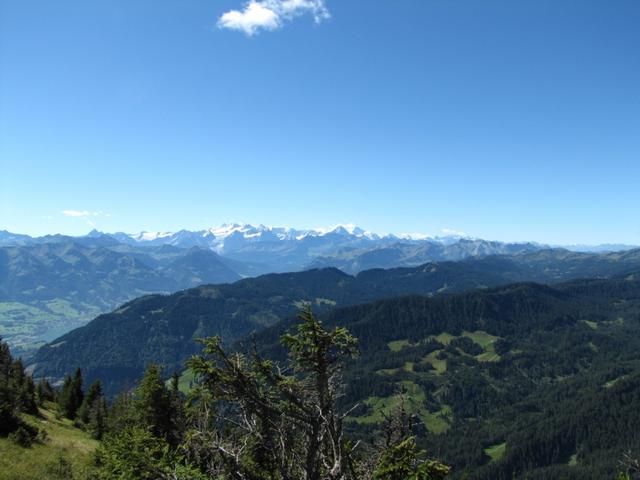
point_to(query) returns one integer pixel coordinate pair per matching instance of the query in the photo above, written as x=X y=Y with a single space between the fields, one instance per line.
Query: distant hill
x=591 y=263
x=282 y=249
x=414 y=254
x=49 y=288
x=51 y=284
x=521 y=381
x=117 y=346
x=261 y=249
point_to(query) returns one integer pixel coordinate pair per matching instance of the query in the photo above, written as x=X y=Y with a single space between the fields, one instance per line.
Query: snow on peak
x=227 y=229
x=286 y=233
x=414 y=236
x=150 y=236
x=217 y=237
x=344 y=229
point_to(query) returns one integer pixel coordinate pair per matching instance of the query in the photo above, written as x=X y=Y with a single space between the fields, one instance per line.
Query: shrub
x=22 y=436
x=60 y=469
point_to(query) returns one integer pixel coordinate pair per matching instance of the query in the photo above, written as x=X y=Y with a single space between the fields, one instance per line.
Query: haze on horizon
x=512 y=121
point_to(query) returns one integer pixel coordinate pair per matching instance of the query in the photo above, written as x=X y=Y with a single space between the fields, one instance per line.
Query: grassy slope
x=43 y=460
x=496 y=452
x=28 y=325
x=436 y=422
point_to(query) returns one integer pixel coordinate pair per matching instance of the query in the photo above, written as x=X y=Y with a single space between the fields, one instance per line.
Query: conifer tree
x=93 y=411
x=97 y=424
x=77 y=392
x=64 y=398
x=17 y=395
x=8 y=407
x=155 y=406
x=177 y=410
x=23 y=387
x=44 y=392
x=71 y=396
x=121 y=413
x=94 y=394
x=403 y=461
x=287 y=424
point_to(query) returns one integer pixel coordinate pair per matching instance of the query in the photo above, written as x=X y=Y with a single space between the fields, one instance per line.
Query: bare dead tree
x=630 y=466
x=279 y=423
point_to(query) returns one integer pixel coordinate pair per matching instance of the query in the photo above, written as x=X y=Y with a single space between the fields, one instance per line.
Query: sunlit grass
x=64 y=444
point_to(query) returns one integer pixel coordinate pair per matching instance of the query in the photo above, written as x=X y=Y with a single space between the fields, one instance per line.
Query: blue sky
x=510 y=120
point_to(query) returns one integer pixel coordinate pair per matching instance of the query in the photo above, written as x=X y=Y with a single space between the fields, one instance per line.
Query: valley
x=463 y=347
x=50 y=285
x=319 y=240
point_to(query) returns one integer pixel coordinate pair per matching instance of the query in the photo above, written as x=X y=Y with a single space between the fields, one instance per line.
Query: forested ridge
x=116 y=347
x=519 y=381
x=247 y=419
x=49 y=288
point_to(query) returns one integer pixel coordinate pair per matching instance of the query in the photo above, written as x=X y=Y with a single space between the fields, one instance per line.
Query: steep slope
x=401 y=254
x=117 y=346
x=413 y=254
x=49 y=288
x=198 y=266
x=520 y=379
x=64 y=452
x=280 y=249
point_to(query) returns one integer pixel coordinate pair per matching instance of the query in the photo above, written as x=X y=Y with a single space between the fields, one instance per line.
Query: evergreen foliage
x=282 y=421
x=134 y=453
x=92 y=412
x=44 y=392
x=248 y=419
x=118 y=346
x=523 y=381
x=287 y=425
x=157 y=407
x=402 y=461
x=17 y=396
x=556 y=387
x=71 y=395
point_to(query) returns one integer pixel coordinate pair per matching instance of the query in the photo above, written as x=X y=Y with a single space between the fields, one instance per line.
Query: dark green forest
x=247 y=418
x=520 y=379
x=525 y=381
x=116 y=347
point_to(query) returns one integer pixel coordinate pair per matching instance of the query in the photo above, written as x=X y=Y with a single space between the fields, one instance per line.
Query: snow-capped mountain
x=231 y=236
x=289 y=249
x=253 y=250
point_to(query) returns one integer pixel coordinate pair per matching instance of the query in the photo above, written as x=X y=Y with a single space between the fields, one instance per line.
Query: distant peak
x=94 y=233
x=410 y=236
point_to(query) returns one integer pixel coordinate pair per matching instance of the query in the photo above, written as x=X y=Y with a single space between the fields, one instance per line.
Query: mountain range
x=233 y=237
x=49 y=288
x=51 y=284
x=513 y=360
x=282 y=249
x=521 y=380
x=117 y=346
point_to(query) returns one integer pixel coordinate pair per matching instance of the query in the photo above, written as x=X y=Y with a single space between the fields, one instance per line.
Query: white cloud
x=450 y=232
x=271 y=14
x=83 y=214
x=76 y=213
